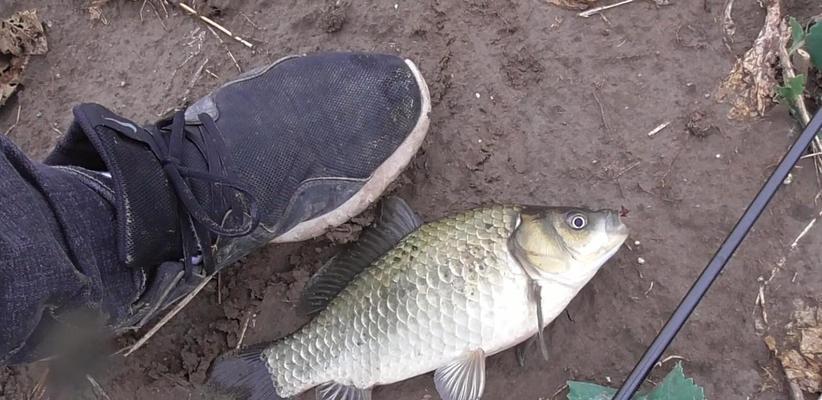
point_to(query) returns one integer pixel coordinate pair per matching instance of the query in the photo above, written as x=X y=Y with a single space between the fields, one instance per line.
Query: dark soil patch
x=514 y=120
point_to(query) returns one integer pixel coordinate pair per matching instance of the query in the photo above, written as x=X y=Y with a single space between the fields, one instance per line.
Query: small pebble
x=477 y=94
x=608 y=379
x=39 y=114
x=718 y=155
x=396 y=6
x=492 y=97
x=122 y=83
x=57 y=76
x=636 y=243
x=640 y=260
x=479 y=140
x=788 y=179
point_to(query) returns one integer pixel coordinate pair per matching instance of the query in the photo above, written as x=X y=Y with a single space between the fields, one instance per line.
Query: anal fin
x=243 y=375
x=395 y=221
x=462 y=379
x=336 y=391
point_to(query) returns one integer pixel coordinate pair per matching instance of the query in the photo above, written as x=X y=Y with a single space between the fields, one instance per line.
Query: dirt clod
x=522 y=68
x=332 y=17
x=699 y=125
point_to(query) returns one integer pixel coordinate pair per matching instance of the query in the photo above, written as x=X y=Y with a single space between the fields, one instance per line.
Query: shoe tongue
x=146 y=208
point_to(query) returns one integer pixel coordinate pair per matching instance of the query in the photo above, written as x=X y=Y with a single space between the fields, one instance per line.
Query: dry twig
x=659 y=128
x=558 y=391
x=236 y=64
x=601 y=111
x=242 y=332
x=588 y=13
x=805 y=231
x=669 y=358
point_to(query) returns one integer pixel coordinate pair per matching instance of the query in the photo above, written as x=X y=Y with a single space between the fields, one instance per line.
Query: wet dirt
x=532 y=104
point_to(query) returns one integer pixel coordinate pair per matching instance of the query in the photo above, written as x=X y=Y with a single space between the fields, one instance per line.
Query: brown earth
x=520 y=89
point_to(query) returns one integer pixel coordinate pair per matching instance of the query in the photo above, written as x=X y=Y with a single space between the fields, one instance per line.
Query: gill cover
x=537 y=244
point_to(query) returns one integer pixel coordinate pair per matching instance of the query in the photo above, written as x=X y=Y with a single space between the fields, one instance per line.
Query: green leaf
x=792 y=89
x=813 y=43
x=675 y=386
x=589 y=391
x=797 y=34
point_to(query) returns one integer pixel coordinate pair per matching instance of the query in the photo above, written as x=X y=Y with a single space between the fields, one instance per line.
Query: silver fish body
x=449 y=288
x=436 y=297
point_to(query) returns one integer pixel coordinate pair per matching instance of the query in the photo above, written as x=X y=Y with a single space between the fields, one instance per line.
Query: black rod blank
x=717 y=263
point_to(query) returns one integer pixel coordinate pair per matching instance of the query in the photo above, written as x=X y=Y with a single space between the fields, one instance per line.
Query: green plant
x=675 y=386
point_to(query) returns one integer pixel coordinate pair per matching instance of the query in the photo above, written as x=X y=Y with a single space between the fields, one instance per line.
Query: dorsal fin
x=395 y=220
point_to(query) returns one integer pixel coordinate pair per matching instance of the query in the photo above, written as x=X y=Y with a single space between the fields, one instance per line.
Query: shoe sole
x=374 y=187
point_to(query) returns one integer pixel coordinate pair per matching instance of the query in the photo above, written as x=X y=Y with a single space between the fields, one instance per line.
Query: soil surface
x=532 y=104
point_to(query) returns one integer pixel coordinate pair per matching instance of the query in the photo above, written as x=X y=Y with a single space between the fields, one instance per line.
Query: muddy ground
x=532 y=104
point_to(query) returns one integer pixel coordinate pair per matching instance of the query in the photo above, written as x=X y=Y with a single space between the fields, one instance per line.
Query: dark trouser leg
x=57 y=252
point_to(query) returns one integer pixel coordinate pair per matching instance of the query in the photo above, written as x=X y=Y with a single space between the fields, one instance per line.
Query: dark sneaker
x=280 y=154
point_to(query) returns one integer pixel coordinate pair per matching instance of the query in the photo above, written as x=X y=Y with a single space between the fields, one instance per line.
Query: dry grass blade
x=601 y=111
x=184 y=302
x=39 y=390
x=728 y=25
x=98 y=390
x=16 y=121
x=211 y=22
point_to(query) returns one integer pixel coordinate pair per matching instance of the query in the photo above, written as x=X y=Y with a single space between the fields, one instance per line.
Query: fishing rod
x=717 y=263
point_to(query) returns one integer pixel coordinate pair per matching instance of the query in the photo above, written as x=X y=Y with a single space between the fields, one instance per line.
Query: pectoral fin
x=537 y=291
x=462 y=379
x=336 y=391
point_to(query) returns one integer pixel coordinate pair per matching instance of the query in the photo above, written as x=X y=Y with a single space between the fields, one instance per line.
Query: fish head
x=566 y=241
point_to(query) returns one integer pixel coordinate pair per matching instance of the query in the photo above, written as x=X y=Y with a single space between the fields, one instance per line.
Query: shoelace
x=196 y=226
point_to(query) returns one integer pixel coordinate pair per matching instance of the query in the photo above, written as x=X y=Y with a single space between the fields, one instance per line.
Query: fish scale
x=447 y=288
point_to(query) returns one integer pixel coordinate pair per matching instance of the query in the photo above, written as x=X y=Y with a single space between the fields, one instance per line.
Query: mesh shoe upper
x=337 y=115
x=301 y=136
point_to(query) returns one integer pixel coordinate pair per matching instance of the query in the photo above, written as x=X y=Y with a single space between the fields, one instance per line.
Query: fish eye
x=577 y=221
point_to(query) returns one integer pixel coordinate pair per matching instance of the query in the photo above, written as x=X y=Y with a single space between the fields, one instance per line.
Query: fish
x=408 y=298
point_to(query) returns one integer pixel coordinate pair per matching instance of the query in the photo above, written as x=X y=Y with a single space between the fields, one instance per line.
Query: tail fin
x=243 y=375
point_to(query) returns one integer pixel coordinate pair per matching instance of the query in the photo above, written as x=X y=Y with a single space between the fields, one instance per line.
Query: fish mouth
x=614 y=226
